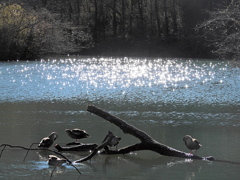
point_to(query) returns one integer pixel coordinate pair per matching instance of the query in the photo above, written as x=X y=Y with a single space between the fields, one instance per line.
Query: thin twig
x=28 y=151
x=11 y=146
x=53 y=172
x=2 y=151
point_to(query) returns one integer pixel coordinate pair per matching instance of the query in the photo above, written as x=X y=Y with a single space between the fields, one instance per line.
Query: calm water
x=167 y=98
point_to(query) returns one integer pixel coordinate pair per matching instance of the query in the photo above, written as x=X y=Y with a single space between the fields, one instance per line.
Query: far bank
x=171 y=48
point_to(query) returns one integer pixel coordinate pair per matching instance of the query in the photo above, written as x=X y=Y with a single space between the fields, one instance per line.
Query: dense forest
x=166 y=28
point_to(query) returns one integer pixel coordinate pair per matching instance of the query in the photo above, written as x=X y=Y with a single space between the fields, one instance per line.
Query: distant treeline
x=33 y=28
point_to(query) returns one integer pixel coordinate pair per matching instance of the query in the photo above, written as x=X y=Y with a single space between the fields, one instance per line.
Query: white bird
x=48 y=141
x=191 y=143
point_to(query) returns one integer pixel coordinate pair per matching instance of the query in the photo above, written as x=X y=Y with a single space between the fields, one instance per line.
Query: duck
x=48 y=141
x=191 y=143
x=56 y=161
x=77 y=134
x=114 y=140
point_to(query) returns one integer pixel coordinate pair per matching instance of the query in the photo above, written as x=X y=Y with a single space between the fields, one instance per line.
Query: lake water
x=166 y=98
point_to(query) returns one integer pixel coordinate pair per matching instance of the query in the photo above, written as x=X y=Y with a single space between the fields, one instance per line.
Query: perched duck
x=56 y=161
x=114 y=140
x=191 y=143
x=48 y=141
x=77 y=134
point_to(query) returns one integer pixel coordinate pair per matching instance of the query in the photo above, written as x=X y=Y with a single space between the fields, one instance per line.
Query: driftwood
x=107 y=141
x=82 y=147
x=147 y=142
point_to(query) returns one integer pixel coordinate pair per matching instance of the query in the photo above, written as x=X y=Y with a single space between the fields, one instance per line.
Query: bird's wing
x=46 y=142
x=196 y=141
x=52 y=157
x=78 y=131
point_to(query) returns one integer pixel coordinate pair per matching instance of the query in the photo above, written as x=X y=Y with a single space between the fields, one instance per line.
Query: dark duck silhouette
x=48 y=141
x=191 y=143
x=114 y=140
x=77 y=134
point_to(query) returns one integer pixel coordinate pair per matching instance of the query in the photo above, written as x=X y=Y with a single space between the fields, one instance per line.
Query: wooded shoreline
x=149 y=28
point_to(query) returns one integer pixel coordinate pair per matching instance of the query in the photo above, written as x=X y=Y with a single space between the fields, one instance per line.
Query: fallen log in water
x=82 y=147
x=147 y=142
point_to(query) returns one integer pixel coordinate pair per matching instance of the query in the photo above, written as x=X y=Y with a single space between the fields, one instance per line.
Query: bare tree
x=222 y=30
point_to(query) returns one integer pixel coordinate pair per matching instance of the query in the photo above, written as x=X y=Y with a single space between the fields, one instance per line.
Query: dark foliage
x=104 y=27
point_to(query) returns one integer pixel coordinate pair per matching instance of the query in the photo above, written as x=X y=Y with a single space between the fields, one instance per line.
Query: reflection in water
x=190 y=175
x=170 y=164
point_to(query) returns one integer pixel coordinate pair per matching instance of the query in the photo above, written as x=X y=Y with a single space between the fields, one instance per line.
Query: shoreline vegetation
x=142 y=28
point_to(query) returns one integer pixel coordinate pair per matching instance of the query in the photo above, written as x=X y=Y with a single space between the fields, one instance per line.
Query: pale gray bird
x=191 y=143
x=77 y=134
x=48 y=141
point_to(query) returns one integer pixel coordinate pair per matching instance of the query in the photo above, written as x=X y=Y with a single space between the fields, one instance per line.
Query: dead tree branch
x=106 y=142
x=82 y=147
x=147 y=142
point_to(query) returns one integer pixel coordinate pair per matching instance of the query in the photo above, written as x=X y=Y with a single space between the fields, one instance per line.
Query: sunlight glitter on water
x=158 y=79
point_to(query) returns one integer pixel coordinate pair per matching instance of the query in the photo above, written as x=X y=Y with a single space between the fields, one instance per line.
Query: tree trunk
x=166 y=18
x=158 y=19
x=131 y=18
x=78 y=12
x=114 y=20
x=123 y=18
x=140 y=10
x=174 y=17
x=147 y=142
x=151 y=18
x=95 y=29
